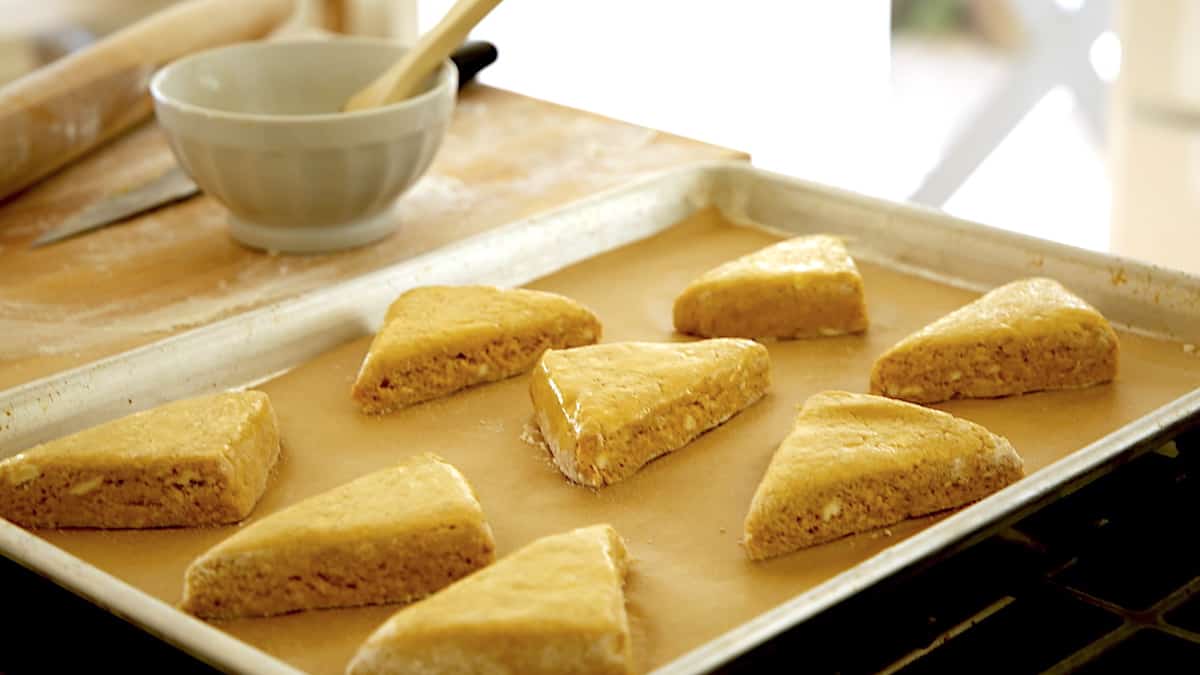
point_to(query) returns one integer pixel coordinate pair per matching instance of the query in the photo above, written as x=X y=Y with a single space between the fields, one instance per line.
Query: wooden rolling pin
x=57 y=113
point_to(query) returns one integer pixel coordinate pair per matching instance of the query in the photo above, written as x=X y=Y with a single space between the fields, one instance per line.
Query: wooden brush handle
x=55 y=114
x=405 y=78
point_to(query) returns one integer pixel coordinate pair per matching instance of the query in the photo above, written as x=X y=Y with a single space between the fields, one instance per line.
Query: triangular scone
x=802 y=287
x=199 y=461
x=855 y=462
x=395 y=535
x=606 y=410
x=439 y=339
x=1029 y=335
x=555 y=606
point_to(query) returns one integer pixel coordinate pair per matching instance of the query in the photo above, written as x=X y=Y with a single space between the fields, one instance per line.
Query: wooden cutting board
x=506 y=157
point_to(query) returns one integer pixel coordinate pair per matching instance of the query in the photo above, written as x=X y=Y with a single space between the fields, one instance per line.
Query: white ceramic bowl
x=256 y=126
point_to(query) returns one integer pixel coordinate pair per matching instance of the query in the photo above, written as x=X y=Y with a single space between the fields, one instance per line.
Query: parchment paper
x=681 y=516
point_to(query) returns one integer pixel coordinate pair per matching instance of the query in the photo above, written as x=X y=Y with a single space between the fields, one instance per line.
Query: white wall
x=799 y=84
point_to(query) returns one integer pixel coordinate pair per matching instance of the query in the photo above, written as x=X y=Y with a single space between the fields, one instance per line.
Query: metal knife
x=172 y=186
x=175 y=185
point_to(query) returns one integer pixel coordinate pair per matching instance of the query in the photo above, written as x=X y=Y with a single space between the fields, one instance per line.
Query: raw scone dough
x=855 y=462
x=554 y=606
x=395 y=535
x=607 y=410
x=1029 y=335
x=439 y=339
x=199 y=461
x=799 y=288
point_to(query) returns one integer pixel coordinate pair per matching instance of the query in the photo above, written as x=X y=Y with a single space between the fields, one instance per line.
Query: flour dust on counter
x=115 y=289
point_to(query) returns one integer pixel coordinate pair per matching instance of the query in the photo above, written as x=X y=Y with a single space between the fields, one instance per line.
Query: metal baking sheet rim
x=272 y=339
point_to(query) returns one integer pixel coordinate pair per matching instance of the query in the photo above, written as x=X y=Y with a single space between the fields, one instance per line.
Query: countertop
x=506 y=156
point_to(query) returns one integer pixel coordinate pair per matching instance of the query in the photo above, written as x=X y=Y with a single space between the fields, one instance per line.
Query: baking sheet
x=681 y=515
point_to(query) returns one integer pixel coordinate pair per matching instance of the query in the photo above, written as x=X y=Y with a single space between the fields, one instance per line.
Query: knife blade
x=175 y=185
x=170 y=187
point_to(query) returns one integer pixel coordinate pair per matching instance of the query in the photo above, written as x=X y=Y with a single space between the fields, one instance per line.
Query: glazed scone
x=607 y=410
x=855 y=462
x=199 y=461
x=395 y=535
x=555 y=606
x=1029 y=335
x=439 y=339
x=799 y=288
